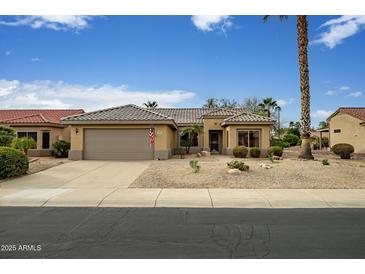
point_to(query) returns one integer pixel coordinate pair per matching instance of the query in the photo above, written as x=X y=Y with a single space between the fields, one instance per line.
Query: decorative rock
x=265 y=165
x=198 y=155
x=234 y=171
x=205 y=153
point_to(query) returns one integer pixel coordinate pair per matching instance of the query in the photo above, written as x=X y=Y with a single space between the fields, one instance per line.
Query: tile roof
x=355 y=112
x=35 y=116
x=176 y=115
x=121 y=113
x=247 y=117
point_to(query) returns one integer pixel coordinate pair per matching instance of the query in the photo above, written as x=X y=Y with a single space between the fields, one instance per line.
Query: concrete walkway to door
x=105 y=184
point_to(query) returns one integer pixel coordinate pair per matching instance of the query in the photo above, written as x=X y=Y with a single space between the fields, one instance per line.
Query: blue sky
x=97 y=62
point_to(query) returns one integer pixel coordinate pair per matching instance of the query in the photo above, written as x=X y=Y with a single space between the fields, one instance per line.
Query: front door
x=214 y=142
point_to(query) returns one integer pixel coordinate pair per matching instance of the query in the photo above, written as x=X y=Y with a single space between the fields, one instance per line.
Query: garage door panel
x=117 y=144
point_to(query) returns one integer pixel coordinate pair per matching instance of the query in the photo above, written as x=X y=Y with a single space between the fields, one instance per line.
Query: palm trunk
x=302 y=28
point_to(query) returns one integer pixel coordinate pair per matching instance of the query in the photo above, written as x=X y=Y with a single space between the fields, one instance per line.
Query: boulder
x=205 y=153
x=198 y=155
x=234 y=171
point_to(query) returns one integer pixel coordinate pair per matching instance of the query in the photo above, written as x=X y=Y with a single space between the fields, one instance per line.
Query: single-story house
x=43 y=125
x=123 y=133
x=347 y=125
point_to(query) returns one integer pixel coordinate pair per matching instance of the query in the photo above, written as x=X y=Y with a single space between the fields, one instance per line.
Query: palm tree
x=268 y=104
x=302 y=33
x=151 y=104
x=192 y=131
x=211 y=103
x=278 y=109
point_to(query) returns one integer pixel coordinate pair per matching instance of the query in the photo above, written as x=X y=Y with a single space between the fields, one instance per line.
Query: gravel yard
x=287 y=173
x=42 y=163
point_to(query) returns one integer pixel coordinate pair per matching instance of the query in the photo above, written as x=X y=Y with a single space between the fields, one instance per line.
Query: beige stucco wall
x=55 y=133
x=351 y=131
x=214 y=124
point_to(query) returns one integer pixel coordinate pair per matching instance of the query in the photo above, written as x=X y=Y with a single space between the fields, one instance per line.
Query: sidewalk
x=198 y=198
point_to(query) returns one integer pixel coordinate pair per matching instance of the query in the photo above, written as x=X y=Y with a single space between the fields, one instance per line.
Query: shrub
x=194 y=164
x=291 y=138
x=24 y=144
x=240 y=152
x=12 y=162
x=343 y=150
x=280 y=143
x=325 y=162
x=255 y=152
x=271 y=157
x=179 y=151
x=7 y=134
x=60 y=149
x=275 y=151
x=234 y=164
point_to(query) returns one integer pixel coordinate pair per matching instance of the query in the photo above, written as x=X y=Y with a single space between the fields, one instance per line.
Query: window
x=186 y=137
x=337 y=131
x=32 y=135
x=45 y=140
x=249 y=138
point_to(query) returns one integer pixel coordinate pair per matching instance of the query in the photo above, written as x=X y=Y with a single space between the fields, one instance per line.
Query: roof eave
x=118 y=122
x=34 y=124
x=227 y=123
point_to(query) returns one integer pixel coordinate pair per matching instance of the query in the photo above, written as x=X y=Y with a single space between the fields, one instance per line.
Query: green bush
x=24 y=144
x=234 y=164
x=12 y=162
x=7 y=134
x=60 y=149
x=194 y=164
x=325 y=162
x=255 y=152
x=280 y=143
x=240 y=152
x=275 y=151
x=343 y=150
x=291 y=138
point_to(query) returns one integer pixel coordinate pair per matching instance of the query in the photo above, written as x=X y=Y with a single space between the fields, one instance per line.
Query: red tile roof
x=35 y=116
x=356 y=112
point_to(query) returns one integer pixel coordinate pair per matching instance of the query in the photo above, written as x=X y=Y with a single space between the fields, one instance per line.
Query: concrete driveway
x=84 y=183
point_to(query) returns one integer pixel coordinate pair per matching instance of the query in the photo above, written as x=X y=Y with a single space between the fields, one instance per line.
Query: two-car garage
x=117 y=144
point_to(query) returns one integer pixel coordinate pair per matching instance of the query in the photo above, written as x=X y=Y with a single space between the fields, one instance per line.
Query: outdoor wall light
x=77 y=131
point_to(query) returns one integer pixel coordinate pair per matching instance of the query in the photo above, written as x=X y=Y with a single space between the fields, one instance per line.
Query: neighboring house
x=122 y=133
x=43 y=125
x=347 y=125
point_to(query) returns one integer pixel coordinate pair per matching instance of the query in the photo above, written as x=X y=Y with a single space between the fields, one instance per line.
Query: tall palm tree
x=278 y=109
x=151 y=104
x=268 y=104
x=211 y=103
x=302 y=33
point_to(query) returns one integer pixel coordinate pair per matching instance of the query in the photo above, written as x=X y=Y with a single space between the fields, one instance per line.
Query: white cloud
x=355 y=94
x=284 y=102
x=322 y=114
x=345 y=88
x=54 y=22
x=8 y=52
x=51 y=94
x=209 y=23
x=339 y=29
x=35 y=59
x=331 y=92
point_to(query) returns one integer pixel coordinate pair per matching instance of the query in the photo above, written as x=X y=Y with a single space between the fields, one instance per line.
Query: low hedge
x=60 y=149
x=343 y=150
x=255 y=152
x=240 y=152
x=12 y=162
x=275 y=150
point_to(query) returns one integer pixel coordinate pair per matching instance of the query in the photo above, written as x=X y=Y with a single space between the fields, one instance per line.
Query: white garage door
x=117 y=144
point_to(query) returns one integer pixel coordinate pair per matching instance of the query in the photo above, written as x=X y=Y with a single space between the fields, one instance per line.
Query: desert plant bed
x=287 y=173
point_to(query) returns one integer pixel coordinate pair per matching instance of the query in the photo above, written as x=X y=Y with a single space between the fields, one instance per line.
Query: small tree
x=191 y=131
x=7 y=134
x=24 y=144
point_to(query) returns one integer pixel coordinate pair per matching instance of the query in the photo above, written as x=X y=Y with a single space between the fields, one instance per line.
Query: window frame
x=26 y=134
x=248 y=131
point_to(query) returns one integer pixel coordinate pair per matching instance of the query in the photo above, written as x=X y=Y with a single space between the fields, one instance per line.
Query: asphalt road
x=181 y=233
